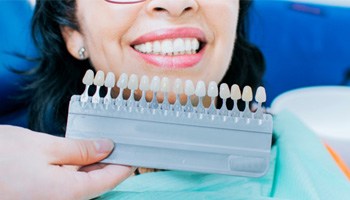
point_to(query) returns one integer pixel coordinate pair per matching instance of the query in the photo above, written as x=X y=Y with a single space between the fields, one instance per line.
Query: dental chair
x=15 y=40
x=305 y=44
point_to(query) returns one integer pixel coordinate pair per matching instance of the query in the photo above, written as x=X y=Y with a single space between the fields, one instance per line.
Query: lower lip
x=173 y=62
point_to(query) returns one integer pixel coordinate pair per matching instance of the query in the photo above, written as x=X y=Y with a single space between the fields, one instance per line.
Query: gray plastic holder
x=166 y=139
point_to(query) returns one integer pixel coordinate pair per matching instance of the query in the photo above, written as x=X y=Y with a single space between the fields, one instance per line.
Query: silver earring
x=82 y=53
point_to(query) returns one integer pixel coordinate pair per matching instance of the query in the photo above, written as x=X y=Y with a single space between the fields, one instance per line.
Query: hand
x=33 y=166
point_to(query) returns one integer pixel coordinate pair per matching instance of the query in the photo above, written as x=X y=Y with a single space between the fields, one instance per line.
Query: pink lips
x=173 y=62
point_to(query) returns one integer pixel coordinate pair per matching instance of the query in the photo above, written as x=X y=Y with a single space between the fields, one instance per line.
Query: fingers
x=92 y=167
x=56 y=150
x=65 y=151
x=101 y=178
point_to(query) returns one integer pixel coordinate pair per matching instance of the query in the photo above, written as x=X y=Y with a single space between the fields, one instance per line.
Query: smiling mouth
x=175 y=48
x=171 y=47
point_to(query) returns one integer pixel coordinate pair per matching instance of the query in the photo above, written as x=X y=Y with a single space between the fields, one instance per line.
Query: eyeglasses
x=124 y=1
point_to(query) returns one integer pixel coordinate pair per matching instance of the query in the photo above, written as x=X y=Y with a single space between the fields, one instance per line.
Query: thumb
x=79 y=152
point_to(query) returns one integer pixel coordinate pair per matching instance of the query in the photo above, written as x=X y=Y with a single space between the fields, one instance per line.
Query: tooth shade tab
x=144 y=83
x=189 y=88
x=200 y=89
x=99 y=78
x=155 y=84
x=178 y=88
x=235 y=92
x=165 y=84
x=213 y=89
x=123 y=81
x=88 y=77
x=170 y=46
x=133 y=82
x=224 y=91
x=260 y=95
x=110 y=80
x=247 y=94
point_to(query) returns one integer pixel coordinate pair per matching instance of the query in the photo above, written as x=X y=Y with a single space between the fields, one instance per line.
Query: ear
x=74 y=41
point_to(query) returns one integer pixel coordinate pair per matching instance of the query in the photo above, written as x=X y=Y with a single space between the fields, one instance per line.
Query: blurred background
x=305 y=42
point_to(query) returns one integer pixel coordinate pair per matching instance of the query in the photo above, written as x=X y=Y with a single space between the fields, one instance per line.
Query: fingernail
x=104 y=146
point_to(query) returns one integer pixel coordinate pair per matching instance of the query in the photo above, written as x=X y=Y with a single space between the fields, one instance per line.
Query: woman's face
x=187 y=39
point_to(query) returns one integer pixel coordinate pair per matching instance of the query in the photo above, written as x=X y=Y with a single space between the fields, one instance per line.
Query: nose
x=172 y=8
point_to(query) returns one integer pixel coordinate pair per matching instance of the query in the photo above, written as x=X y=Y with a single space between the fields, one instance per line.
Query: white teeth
x=247 y=94
x=140 y=48
x=155 y=84
x=110 y=80
x=133 y=82
x=88 y=77
x=178 y=88
x=224 y=91
x=167 y=47
x=235 y=92
x=194 y=45
x=148 y=47
x=189 y=88
x=123 y=81
x=200 y=89
x=260 y=96
x=213 y=89
x=144 y=83
x=99 y=78
x=165 y=84
x=188 y=45
x=157 y=47
x=179 y=46
x=176 y=46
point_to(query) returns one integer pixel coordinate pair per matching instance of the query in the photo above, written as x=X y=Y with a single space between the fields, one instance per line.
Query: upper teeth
x=176 y=46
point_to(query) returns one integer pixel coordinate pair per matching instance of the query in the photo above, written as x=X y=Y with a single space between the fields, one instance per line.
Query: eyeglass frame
x=118 y=2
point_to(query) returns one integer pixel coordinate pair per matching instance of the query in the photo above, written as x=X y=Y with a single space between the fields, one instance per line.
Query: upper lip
x=172 y=33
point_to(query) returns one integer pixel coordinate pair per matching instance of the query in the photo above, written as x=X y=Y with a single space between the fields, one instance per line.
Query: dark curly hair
x=58 y=75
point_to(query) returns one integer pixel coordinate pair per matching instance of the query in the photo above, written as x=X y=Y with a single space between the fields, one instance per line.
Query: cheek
x=104 y=35
x=224 y=28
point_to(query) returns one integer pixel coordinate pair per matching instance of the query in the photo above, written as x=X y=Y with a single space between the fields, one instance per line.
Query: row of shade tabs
x=163 y=85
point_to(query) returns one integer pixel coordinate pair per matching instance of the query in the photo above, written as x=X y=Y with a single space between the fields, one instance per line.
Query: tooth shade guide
x=186 y=103
x=226 y=136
